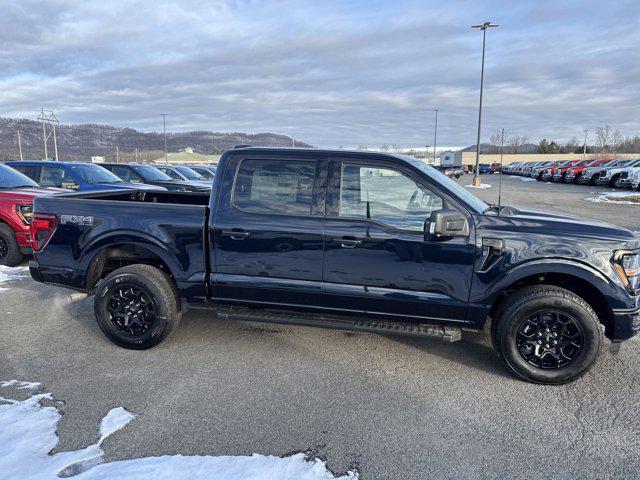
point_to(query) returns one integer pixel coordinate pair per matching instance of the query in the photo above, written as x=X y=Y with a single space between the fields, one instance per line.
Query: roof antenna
x=500 y=178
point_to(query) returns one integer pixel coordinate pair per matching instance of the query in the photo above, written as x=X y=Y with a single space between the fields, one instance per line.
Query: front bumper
x=584 y=179
x=547 y=177
x=624 y=183
x=603 y=181
x=626 y=324
x=557 y=177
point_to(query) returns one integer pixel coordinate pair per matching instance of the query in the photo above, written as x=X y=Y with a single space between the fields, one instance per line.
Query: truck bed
x=96 y=231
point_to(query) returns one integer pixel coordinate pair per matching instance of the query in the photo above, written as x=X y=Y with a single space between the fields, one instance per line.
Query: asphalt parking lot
x=391 y=407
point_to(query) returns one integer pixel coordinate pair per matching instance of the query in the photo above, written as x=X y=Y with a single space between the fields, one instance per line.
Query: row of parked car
x=619 y=173
x=21 y=182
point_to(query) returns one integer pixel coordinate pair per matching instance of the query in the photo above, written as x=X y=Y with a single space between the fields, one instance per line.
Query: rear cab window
x=283 y=187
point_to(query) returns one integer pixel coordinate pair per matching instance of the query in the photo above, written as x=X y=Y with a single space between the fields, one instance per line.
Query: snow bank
x=481 y=186
x=28 y=434
x=8 y=274
x=626 y=198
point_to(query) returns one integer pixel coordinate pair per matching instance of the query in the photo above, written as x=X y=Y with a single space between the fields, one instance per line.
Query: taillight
x=42 y=227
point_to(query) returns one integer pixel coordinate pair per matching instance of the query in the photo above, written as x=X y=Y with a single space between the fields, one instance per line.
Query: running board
x=432 y=330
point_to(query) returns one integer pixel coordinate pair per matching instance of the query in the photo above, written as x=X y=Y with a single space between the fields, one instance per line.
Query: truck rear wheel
x=137 y=306
x=10 y=254
x=546 y=334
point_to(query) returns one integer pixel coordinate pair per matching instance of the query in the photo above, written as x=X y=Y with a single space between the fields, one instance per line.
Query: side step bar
x=444 y=332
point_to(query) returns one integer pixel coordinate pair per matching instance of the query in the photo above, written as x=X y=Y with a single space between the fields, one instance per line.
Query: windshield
x=93 y=174
x=9 y=178
x=617 y=163
x=190 y=174
x=450 y=185
x=151 y=173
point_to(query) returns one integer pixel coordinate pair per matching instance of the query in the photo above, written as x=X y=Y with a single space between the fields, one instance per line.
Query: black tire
x=542 y=302
x=10 y=254
x=576 y=179
x=150 y=290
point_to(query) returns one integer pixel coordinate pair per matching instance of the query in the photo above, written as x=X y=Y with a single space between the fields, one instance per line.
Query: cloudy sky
x=332 y=73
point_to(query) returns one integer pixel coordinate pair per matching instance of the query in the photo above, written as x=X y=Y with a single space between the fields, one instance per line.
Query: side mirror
x=448 y=223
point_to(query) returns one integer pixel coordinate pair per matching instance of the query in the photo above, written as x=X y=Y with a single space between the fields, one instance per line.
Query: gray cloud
x=328 y=73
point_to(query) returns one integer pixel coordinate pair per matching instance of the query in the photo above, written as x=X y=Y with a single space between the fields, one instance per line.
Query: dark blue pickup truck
x=352 y=240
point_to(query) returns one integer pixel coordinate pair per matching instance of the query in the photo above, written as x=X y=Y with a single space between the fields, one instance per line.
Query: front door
x=267 y=232
x=377 y=256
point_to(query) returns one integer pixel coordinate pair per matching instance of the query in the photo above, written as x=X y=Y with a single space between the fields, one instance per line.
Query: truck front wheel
x=546 y=334
x=137 y=306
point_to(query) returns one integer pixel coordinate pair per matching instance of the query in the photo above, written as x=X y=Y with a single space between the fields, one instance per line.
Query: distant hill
x=488 y=148
x=81 y=142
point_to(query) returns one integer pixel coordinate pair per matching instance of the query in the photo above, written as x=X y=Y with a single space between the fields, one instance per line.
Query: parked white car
x=635 y=179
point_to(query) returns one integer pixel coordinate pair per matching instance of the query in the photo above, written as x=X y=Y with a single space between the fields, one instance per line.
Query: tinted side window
x=55 y=177
x=30 y=171
x=171 y=173
x=275 y=186
x=124 y=173
x=385 y=195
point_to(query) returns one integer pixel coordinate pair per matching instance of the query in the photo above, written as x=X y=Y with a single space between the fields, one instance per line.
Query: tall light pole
x=20 y=145
x=435 y=137
x=483 y=27
x=164 y=127
x=584 y=146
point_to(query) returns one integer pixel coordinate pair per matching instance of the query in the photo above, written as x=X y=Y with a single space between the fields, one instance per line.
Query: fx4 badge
x=77 y=220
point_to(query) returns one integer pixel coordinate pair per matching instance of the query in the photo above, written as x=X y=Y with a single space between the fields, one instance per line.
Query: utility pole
x=435 y=137
x=53 y=120
x=20 y=145
x=293 y=143
x=117 y=154
x=136 y=154
x=164 y=126
x=43 y=117
x=584 y=147
x=483 y=27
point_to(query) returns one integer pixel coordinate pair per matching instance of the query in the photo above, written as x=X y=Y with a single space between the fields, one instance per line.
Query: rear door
x=377 y=257
x=266 y=234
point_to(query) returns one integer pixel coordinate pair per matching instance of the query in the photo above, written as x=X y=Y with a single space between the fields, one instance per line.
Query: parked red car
x=574 y=173
x=547 y=173
x=16 y=206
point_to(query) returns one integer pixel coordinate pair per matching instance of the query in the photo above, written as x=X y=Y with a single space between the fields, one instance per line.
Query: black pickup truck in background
x=353 y=240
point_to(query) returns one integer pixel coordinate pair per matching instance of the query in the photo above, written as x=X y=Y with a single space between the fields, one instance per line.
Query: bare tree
x=603 y=137
x=385 y=147
x=616 y=141
x=363 y=147
x=516 y=143
x=494 y=141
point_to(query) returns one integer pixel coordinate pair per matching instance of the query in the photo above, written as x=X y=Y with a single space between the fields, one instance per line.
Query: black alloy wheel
x=550 y=339
x=4 y=248
x=131 y=310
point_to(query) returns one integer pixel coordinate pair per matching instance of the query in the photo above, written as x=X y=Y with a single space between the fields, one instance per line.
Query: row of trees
x=607 y=140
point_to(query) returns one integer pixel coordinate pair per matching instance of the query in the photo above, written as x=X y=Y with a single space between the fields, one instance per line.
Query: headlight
x=182 y=189
x=25 y=212
x=627 y=266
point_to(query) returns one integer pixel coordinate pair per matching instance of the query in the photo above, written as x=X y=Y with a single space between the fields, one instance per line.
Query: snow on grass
x=8 y=274
x=626 y=198
x=28 y=434
x=481 y=186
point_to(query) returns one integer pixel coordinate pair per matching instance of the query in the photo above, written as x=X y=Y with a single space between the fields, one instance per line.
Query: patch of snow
x=20 y=385
x=615 y=197
x=28 y=434
x=528 y=179
x=481 y=186
x=9 y=274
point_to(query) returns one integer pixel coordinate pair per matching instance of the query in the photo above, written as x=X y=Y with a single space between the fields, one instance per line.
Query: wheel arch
x=114 y=252
x=584 y=281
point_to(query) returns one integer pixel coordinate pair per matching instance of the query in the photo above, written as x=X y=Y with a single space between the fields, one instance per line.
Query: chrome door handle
x=349 y=242
x=235 y=234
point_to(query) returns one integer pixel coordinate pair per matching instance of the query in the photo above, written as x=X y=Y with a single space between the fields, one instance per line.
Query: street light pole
x=483 y=27
x=435 y=137
x=164 y=127
x=584 y=147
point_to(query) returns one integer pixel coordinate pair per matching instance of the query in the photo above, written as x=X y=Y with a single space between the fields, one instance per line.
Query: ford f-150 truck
x=353 y=240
